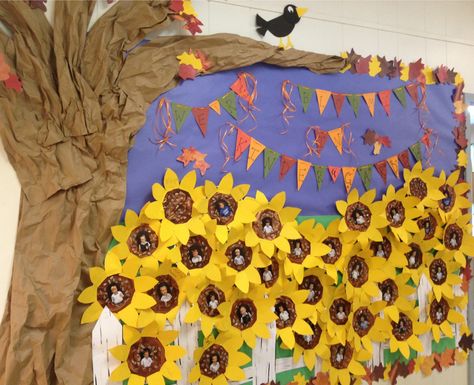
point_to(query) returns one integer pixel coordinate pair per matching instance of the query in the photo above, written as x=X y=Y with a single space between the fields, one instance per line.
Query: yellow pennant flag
x=348 y=173
x=393 y=163
x=216 y=106
x=302 y=171
x=370 y=100
x=255 y=149
x=336 y=137
x=323 y=97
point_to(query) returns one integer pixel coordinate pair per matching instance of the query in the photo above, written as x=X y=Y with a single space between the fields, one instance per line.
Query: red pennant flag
x=286 y=163
x=384 y=97
x=334 y=172
x=241 y=144
x=338 y=100
x=201 y=115
x=240 y=88
x=412 y=90
x=381 y=168
x=321 y=137
x=404 y=157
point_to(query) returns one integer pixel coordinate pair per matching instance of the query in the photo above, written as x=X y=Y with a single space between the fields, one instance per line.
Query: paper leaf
x=354 y=101
x=412 y=90
x=334 y=172
x=215 y=105
x=462 y=158
x=255 y=149
x=206 y=63
x=426 y=367
x=228 y=101
x=415 y=69
x=241 y=144
x=404 y=72
x=305 y=93
x=384 y=66
x=460 y=356
x=186 y=71
x=460 y=136
x=320 y=171
x=14 y=83
x=187 y=156
x=429 y=75
x=370 y=100
x=201 y=115
x=176 y=6
x=466 y=341
x=393 y=163
x=188 y=58
x=348 y=173
x=445 y=359
x=286 y=163
x=202 y=166
x=404 y=159
x=38 y=4
x=384 y=141
x=338 y=100
x=401 y=96
x=362 y=65
x=352 y=59
x=416 y=151
x=381 y=168
x=452 y=75
x=180 y=113
x=4 y=68
x=323 y=98
x=365 y=173
x=370 y=137
x=302 y=171
x=368 y=375
x=336 y=135
x=269 y=159
x=394 y=68
x=320 y=379
x=466 y=277
x=378 y=372
x=377 y=148
x=374 y=66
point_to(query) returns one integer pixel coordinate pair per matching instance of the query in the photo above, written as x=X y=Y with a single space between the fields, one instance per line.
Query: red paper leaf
x=14 y=83
x=176 y=6
x=370 y=137
x=385 y=141
x=384 y=66
x=352 y=59
x=192 y=24
x=415 y=69
x=202 y=166
x=206 y=63
x=442 y=74
x=378 y=372
x=465 y=342
x=394 y=69
x=186 y=71
x=452 y=76
x=460 y=136
x=362 y=66
x=466 y=277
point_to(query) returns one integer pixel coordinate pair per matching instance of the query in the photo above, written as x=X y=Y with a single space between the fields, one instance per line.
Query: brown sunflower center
x=214 y=361
x=222 y=208
x=267 y=224
x=341 y=356
x=403 y=329
x=239 y=255
x=336 y=250
x=269 y=274
x=300 y=249
x=358 y=217
x=389 y=290
x=414 y=256
x=142 y=241
x=418 y=188
x=357 y=271
x=382 y=249
x=428 y=224
x=209 y=299
x=286 y=312
x=178 y=206
x=453 y=237
x=196 y=253
x=395 y=213
x=146 y=356
x=115 y=292
x=363 y=321
x=165 y=293
x=243 y=314
x=339 y=311
x=315 y=288
x=439 y=311
x=309 y=341
x=447 y=203
x=438 y=271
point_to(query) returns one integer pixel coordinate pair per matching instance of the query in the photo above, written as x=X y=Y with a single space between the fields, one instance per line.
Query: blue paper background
x=147 y=164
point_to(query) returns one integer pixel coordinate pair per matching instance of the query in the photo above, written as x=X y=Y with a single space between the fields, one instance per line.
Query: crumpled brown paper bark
x=67 y=136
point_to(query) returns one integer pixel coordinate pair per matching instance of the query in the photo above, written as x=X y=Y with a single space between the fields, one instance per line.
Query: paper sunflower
x=117 y=287
x=305 y=251
x=390 y=250
x=225 y=208
x=272 y=277
x=442 y=316
x=147 y=357
x=291 y=310
x=457 y=239
x=175 y=206
x=362 y=216
x=400 y=212
x=423 y=185
x=320 y=290
x=274 y=224
x=442 y=275
x=431 y=224
x=453 y=190
x=343 y=362
x=219 y=361
x=205 y=298
x=247 y=315
x=395 y=292
x=336 y=316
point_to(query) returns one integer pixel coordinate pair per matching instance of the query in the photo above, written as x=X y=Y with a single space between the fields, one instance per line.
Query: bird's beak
x=301 y=11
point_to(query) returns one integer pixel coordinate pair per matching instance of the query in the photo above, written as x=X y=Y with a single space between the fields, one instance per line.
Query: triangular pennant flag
x=348 y=173
x=201 y=114
x=269 y=159
x=365 y=173
x=240 y=88
x=393 y=163
x=241 y=144
x=180 y=113
x=305 y=93
x=381 y=168
x=321 y=137
x=228 y=101
x=416 y=151
x=216 y=106
x=323 y=98
x=404 y=159
x=354 y=101
x=255 y=150
x=384 y=97
x=320 y=171
x=412 y=90
x=334 y=172
x=336 y=136
x=286 y=163
x=338 y=100
x=302 y=171
x=370 y=100
x=401 y=96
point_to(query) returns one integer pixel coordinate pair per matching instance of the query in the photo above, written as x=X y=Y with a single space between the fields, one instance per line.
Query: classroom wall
x=441 y=32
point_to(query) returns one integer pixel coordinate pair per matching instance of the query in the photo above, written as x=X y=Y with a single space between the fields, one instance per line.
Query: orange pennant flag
x=370 y=100
x=323 y=97
x=216 y=106
x=241 y=144
x=255 y=149
x=348 y=174
x=393 y=163
x=336 y=137
x=302 y=171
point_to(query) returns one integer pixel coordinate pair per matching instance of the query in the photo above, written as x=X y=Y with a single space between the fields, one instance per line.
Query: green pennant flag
x=416 y=151
x=229 y=102
x=269 y=159
x=354 y=101
x=306 y=94
x=365 y=173
x=401 y=95
x=320 y=171
x=180 y=113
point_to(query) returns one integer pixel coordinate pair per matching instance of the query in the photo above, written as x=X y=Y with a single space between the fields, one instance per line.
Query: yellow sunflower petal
x=120 y=233
x=193 y=314
x=170 y=180
x=92 y=313
x=144 y=283
x=261 y=330
x=302 y=327
x=194 y=374
x=242 y=282
x=120 y=352
x=122 y=372
x=156 y=379
x=171 y=370
x=238 y=358
x=226 y=183
x=174 y=352
x=282 y=244
x=135 y=379
x=234 y=373
x=189 y=181
x=356 y=368
x=446 y=329
x=289 y=232
x=129 y=315
x=251 y=239
x=88 y=295
x=278 y=201
x=287 y=336
x=207 y=324
x=267 y=247
x=196 y=226
x=145 y=318
x=221 y=233
x=142 y=300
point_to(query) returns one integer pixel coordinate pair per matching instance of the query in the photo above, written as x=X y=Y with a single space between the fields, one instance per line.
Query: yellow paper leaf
x=374 y=66
x=462 y=158
x=404 y=72
x=429 y=75
x=191 y=59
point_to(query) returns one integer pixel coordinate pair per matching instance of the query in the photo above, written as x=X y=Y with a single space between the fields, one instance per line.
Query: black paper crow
x=283 y=25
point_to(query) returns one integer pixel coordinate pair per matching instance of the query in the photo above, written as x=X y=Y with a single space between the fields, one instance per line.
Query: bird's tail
x=261 y=25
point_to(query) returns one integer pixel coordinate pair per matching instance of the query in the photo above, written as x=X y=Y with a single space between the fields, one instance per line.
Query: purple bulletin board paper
x=147 y=163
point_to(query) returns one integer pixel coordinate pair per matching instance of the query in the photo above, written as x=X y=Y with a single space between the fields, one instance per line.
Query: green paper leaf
x=354 y=101
x=416 y=151
x=365 y=173
x=180 y=113
x=306 y=94
x=229 y=102
x=320 y=171
x=443 y=344
x=269 y=159
x=391 y=358
x=401 y=95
